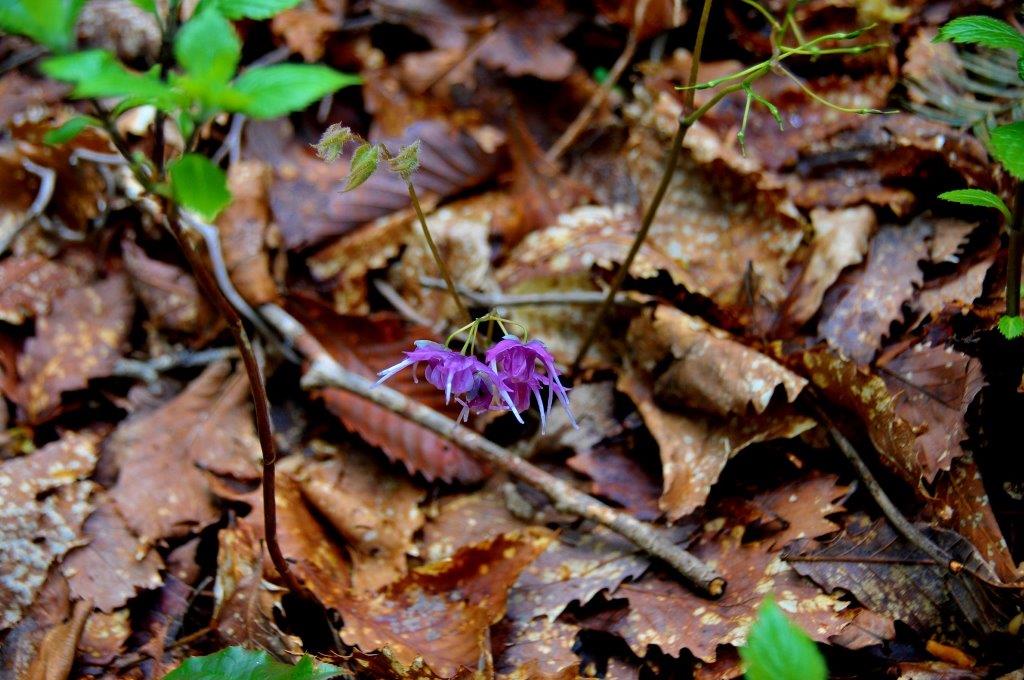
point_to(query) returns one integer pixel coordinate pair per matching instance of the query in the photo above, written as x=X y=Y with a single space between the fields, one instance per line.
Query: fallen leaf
x=542 y=647
x=960 y=290
x=104 y=636
x=56 y=650
x=618 y=475
x=82 y=337
x=574 y=568
x=169 y=294
x=463 y=520
x=419 y=617
x=803 y=506
x=29 y=283
x=863 y=315
x=42 y=507
x=306 y=29
x=244 y=227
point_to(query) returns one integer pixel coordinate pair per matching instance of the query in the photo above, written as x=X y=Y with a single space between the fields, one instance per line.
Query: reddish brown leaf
x=81 y=338
x=464 y=520
x=104 y=636
x=861 y=318
x=37 y=530
x=114 y=565
x=539 y=649
x=55 y=653
x=617 y=475
x=804 y=507
x=243 y=230
x=170 y=295
x=29 y=283
x=371 y=347
x=418 y=617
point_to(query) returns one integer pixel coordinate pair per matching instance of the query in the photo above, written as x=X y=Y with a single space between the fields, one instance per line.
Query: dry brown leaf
x=542 y=648
x=419 y=617
x=104 y=636
x=37 y=530
x=861 y=319
x=82 y=337
x=243 y=228
x=694 y=448
x=169 y=294
x=375 y=511
x=461 y=521
x=28 y=284
x=959 y=291
x=114 y=565
x=617 y=474
x=574 y=568
x=306 y=29
x=670 y=616
x=56 y=650
x=803 y=506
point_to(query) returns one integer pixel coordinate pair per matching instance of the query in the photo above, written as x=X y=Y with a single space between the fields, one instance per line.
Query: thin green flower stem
x=776 y=26
x=821 y=100
x=1014 y=251
x=168 y=30
x=698 y=49
x=445 y=274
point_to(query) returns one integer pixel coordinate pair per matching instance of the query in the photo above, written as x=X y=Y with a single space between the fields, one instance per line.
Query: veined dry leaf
x=670 y=616
x=709 y=371
x=862 y=317
x=28 y=284
x=161 y=490
x=81 y=338
x=804 y=506
x=375 y=511
x=467 y=519
x=695 y=448
x=368 y=347
x=418 y=617
x=890 y=576
x=616 y=474
x=960 y=290
x=574 y=568
x=840 y=240
x=933 y=388
x=55 y=655
x=170 y=295
x=243 y=228
x=36 y=531
x=114 y=565
x=245 y=603
x=104 y=636
x=541 y=647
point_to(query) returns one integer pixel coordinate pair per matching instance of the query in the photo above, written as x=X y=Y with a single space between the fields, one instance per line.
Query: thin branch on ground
x=149 y=371
x=324 y=371
x=406 y=310
x=47 y=182
x=574 y=297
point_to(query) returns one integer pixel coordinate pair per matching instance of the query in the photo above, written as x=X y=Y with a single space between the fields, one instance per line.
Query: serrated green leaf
x=977 y=197
x=236 y=663
x=364 y=164
x=283 y=88
x=48 y=22
x=199 y=185
x=209 y=50
x=982 y=30
x=70 y=129
x=1012 y=327
x=1007 y=145
x=96 y=73
x=777 y=649
x=332 y=142
x=247 y=9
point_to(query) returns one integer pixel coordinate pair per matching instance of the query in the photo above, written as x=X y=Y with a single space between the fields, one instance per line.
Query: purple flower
x=516 y=362
x=475 y=385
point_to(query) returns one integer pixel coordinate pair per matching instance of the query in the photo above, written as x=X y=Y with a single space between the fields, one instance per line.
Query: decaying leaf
x=419 y=617
x=542 y=646
x=43 y=504
x=803 y=506
x=243 y=228
x=170 y=295
x=28 y=285
x=464 y=520
x=104 y=637
x=81 y=338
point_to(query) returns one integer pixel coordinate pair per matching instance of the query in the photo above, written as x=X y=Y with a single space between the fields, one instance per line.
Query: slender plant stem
x=436 y=253
x=170 y=29
x=671 y=162
x=325 y=371
x=1014 y=252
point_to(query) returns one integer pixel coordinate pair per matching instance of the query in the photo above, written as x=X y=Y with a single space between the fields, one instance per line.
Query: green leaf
x=283 y=88
x=148 y=5
x=364 y=164
x=199 y=185
x=236 y=663
x=209 y=50
x=977 y=197
x=1007 y=144
x=70 y=129
x=982 y=30
x=777 y=649
x=247 y=9
x=49 y=22
x=96 y=73
x=332 y=142
x=1011 y=327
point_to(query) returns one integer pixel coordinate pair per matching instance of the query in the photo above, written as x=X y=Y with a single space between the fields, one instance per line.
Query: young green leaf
x=236 y=663
x=247 y=9
x=199 y=185
x=1007 y=144
x=96 y=73
x=977 y=197
x=70 y=129
x=283 y=88
x=332 y=142
x=982 y=30
x=208 y=48
x=1011 y=327
x=407 y=161
x=364 y=164
x=49 y=22
x=777 y=649
x=147 y=5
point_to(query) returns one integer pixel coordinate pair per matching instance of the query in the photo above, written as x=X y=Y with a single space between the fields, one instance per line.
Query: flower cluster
x=512 y=374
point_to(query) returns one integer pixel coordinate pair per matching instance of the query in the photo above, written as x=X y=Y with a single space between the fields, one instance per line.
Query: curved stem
x=1014 y=252
x=445 y=274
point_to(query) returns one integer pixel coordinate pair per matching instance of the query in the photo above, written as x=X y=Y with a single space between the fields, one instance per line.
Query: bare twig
x=47 y=182
x=597 y=99
x=324 y=371
x=573 y=297
x=149 y=371
x=401 y=306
